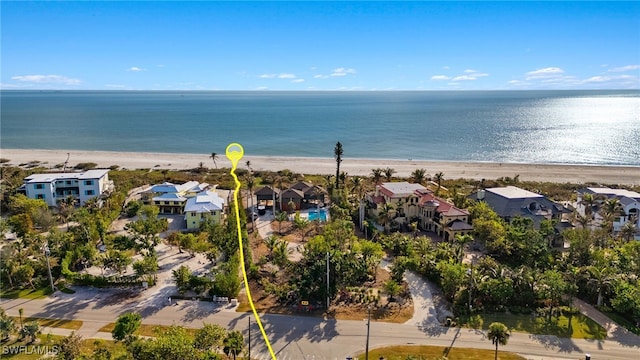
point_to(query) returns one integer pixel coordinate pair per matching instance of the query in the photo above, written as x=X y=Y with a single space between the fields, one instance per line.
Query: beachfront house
x=206 y=204
x=171 y=198
x=410 y=202
x=591 y=200
x=266 y=195
x=53 y=187
x=510 y=202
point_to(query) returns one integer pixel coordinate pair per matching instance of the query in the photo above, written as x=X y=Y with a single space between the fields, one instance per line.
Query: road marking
x=234 y=153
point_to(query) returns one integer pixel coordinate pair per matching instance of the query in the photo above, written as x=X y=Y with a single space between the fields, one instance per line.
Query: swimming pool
x=313 y=215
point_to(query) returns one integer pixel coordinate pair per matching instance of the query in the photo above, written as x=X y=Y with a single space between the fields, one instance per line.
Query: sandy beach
x=610 y=175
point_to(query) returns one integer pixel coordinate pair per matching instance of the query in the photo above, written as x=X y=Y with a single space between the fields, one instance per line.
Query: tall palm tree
x=385 y=215
x=213 y=157
x=280 y=217
x=388 y=173
x=250 y=181
x=337 y=153
x=600 y=280
x=499 y=335
x=376 y=174
x=588 y=200
x=417 y=176
x=438 y=177
x=610 y=209
x=628 y=230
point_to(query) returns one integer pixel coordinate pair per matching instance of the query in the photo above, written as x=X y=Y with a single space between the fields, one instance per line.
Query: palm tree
x=385 y=215
x=417 y=176
x=233 y=343
x=392 y=288
x=250 y=180
x=280 y=217
x=628 y=230
x=249 y=166
x=337 y=153
x=588 y=200
x=376 y=174
x=583 y=220
x=438 y=178
x=7 y=326
x=271 y=241
x=213 y=157
x=610 y=209
x=600 y=279
x=499 y=335
x=388 y=173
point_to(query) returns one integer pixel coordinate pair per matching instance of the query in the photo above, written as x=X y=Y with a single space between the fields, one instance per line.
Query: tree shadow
x=553 y=342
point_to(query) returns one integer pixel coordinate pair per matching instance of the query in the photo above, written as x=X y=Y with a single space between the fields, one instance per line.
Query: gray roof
x=50 y=177
x=292 y=194
x=511 y=201
x=206 y=201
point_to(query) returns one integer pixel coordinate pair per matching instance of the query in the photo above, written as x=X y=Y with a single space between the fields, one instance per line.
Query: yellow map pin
x=234 y=153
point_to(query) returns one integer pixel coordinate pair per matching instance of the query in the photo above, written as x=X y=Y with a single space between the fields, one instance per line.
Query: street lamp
x=366 y=349
x=47 y=252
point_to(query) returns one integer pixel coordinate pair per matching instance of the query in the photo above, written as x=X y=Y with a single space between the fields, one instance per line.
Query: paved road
x=302 y=337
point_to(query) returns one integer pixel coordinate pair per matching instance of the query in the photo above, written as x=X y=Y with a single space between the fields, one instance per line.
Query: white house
x=629 y=201
x=54 y=187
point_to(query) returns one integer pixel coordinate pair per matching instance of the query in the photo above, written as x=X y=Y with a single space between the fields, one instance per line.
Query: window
x=88 y=182
x=68 y=182
x=40 y=196
x=89 y=192
x=38 y=186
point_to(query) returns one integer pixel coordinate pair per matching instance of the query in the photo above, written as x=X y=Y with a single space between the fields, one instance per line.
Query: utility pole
x=366 y=348
x=470 y=273
x=249 y=318
x=327 y=280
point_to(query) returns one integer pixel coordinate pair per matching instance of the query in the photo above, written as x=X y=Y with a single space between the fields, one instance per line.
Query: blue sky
x=320 y=45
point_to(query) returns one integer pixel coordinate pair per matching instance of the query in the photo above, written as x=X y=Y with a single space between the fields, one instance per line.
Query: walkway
x=614 y=330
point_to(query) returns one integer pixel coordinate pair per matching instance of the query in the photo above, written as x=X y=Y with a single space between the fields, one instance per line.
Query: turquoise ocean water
x=578 y=127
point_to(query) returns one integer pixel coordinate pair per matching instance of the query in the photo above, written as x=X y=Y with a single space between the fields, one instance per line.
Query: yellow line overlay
x=234 y=153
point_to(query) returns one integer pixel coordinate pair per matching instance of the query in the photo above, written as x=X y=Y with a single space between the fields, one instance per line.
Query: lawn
x=145 y=329
x=580 y=326
x=436 y=353
x=22 y=350
x=26 y=293
x=56 y=323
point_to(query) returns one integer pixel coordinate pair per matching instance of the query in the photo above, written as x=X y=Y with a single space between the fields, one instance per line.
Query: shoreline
x=559 y=173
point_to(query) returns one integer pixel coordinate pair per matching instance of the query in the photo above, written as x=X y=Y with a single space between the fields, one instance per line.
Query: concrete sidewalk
x=614 y=330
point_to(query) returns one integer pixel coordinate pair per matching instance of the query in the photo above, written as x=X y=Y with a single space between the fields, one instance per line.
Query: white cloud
x=342 y=71
x=319 y=76
x=47 y=79
x=544 y=73
x=136 y=69
x=260 y=88
x=279 y=76
x=440 y=77
x=469 y=71
x=464 y=78
x=625 y=68
x=297 y=81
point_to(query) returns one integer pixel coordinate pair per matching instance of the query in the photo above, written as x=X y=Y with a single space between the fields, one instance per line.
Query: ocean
x=570 y=127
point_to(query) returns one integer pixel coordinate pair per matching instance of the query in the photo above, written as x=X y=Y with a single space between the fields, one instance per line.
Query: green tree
x=600 y=280
x=388 y=173
x=147 y=266
x=7 y=325
x=376 y=175
x=281 y=217
x=174 y=343
x=116 y=261
x=209 y=337
x=213 y=157
x=146 y=229
x=271 y=241
x=126 y=325
x=337 y=153
x=181 y=276
x=385 y=216
x=233 y=344
x=499 y=335
x=418 y=175
x=70 y=347
x=438 y=177
x=31 y=330
x=392 y=288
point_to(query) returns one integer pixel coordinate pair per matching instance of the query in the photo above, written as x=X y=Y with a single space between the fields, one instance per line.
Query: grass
x=145 y=329
x=580 y=326
x=46 y=342
x=54 y=323
x=26 y=293
x=623 y=321
x=437 y=352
